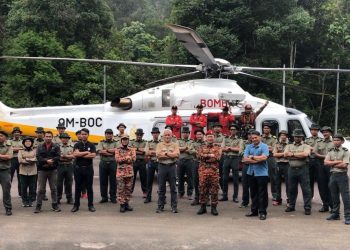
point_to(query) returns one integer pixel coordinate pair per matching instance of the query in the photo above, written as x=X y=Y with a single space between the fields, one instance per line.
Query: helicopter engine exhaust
x=122 y=103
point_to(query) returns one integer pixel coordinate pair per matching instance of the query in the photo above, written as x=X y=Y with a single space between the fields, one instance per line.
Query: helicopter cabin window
x=294 y=124
x=274 y=126
x=165 y=98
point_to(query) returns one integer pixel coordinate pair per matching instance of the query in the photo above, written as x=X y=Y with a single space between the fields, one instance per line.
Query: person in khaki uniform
x=337 y=159
x=125 y=157
x=16 y=143
x=140 y=164
x=313 y=161
x=297 y=153
x=152 y=166
x=39 y=140
x=232 y=147
x=270 y=140
x=121 y=128
x=323 y=175
x=28 y=172
x=184 y=165
x=167 y=153
x=39 y=137
x=108 y=166
x=282 y=166
x=6 y=154
x=65 y=169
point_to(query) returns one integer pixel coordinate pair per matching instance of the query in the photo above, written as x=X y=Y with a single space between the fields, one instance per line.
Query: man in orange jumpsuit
x=225 y=119
x=198 y=120
x=175 y=122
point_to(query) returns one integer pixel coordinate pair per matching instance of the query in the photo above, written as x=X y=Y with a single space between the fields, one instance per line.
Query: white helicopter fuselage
x=149 y=108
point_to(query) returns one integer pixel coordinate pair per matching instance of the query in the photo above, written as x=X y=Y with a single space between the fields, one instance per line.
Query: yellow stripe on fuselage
x=29 y=130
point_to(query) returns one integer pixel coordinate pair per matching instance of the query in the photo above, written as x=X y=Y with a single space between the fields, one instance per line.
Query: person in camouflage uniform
x=321 y=149
x=218 y=139
x=209 y=156
x=125 y=157
x=197 y=143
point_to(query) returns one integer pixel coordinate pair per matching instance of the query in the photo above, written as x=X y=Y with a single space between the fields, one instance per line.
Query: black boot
x=122 y=208
x=8 y=211
x=224 y=197
x=195 y=202
x=213 y=210
x=202 y=209
x=127 y=207
x=37 y=209
x=55 y=207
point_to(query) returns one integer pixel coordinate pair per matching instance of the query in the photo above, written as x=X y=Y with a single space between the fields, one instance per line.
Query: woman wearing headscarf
x=27 y=171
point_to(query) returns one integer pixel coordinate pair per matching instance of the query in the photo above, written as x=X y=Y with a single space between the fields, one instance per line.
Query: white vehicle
x=150 y=107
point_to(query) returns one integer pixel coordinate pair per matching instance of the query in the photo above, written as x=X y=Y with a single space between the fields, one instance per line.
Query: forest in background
x=270 y=33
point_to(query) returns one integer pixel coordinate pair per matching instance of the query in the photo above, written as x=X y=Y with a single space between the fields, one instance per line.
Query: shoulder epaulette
x=274 y=137
x=102 y=140
x=345 y=149
x=8 y=143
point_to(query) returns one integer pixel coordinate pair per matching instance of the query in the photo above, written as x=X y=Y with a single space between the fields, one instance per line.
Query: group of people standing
x=182 y=154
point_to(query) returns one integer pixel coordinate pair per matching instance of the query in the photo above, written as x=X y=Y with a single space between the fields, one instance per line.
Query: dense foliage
x=312 y=33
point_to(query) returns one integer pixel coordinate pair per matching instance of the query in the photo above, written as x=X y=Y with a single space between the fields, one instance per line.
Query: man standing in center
x=48 y=155
x=209 y=156
x=198 y=121
x=167 y=153
x=175 y=122
x=84 y=152
x=256 y=155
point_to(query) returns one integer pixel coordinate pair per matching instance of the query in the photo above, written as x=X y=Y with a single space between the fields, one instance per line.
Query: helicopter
x=150 y=107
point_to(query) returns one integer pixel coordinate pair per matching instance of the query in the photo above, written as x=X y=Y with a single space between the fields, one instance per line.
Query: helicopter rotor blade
x=173 y=78
x=103 y=61
x=194 y=44
x=300 y=88
x=238 y=69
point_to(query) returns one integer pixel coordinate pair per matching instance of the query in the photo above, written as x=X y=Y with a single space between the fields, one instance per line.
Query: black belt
x=339 y=173
x=84 y=166
x=4 y=169
x=283 y=162
x=140 y=159
x=231 y=156
x=65 y=163
x=167 y=164
x=297 y=168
